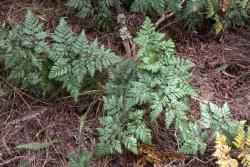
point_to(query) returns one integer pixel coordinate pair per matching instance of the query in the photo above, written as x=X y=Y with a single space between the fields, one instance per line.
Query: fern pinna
x=157 y=79
x=74 y=57
x=25 y=52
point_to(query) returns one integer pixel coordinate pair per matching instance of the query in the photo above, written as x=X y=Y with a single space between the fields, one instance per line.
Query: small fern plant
x=101 y=14
x=80 y=159
x=146 y=6
x=74 y=58
x=241 y=144
x=192 y=14
x=154 y=83
x=68 y=59
x=225 y=14
x=25 y=49
x=213 y=119
x=3 y=40
x=231 y=15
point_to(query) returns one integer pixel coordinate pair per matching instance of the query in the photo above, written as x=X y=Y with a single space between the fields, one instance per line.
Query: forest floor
x=221 y=74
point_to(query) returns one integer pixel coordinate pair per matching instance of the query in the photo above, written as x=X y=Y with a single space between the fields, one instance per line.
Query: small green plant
x=101 y=13
x=104 y=12
x=155 y=83
x=218 y=119
x=68 y=59
x=146 y=6
x=194 y=14
x=232 y=14
x=25 y=49
x=213 y=119
x=74 y=57
x=80 y=159
x=3 y=37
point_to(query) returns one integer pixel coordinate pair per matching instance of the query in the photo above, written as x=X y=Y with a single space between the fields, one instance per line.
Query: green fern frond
x=36 y=146
x=219 y=119
x=130 y=142
x=104 y=19
x=102 y=16
x=193 y=141
x=84 y=6
x=74 y=57
x=141 y=6
x=158 y=80
x=80 y=159
x=212 y=8
x=25 y=51
x=109 y=3
x=144 y=6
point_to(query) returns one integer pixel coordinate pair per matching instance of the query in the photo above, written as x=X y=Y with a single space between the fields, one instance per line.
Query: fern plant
x=74 y=57
x=36 y=146
x=213 y=119
x=231 y=15
x=192 y=14
x=237 y=14
x=25 y=49
x=241 y=142
x=122 y=124
x=153 y=84
x=80 y=159
x=67 y=59
x=219 y=119
x=3 y=40
x=101 y=13
x=145 y=6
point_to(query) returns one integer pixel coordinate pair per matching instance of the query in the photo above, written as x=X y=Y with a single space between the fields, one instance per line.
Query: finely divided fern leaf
x=158 y=80
x=74 y=57
x=80 y=159
x=25 y=49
